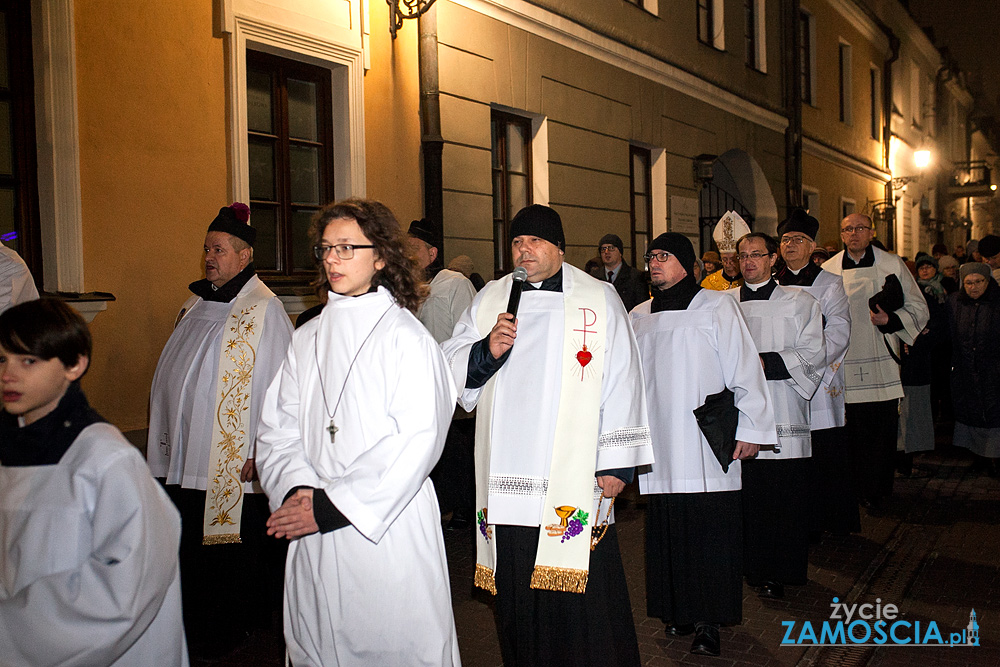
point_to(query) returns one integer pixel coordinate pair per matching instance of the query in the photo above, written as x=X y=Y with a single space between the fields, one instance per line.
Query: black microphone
x=520 y=275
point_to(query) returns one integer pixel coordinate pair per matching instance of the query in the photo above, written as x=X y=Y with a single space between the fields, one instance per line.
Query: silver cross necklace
x=332 y=428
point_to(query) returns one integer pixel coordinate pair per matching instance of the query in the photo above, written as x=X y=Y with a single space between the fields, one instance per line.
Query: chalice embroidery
x=571 y=522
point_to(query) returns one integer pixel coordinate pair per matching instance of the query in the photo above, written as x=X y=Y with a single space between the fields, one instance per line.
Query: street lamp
x=921 y=160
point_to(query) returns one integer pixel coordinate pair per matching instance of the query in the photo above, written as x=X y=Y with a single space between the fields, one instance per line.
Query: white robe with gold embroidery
x=183 y=398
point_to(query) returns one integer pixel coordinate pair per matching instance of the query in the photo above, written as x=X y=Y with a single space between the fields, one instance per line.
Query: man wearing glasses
x=833 y=504
x=787 y=328
x=628 y=280
x=871 y=370
x=205 y=402
x=695 y=345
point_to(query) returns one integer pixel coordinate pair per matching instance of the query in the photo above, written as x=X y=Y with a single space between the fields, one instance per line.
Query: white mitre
x=728 y=231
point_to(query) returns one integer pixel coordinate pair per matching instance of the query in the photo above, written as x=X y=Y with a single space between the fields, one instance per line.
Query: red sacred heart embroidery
x=584 y=357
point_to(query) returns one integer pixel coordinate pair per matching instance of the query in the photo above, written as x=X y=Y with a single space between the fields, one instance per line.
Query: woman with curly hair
x=352 y=426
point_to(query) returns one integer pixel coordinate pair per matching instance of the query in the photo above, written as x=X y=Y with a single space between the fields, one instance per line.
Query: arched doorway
x=737 y=184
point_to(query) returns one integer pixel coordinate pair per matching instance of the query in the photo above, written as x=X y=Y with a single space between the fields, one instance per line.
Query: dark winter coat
x=974 y=325
x=629 y=282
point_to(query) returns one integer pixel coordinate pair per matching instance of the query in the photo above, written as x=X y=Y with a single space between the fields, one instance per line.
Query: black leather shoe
x=706 y=640
x=772 y=590
x=678 y=630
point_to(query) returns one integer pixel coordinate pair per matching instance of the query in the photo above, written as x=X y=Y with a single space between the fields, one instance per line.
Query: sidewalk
x=933 y=552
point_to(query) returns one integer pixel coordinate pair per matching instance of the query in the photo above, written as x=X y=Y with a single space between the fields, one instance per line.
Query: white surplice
x=451 y=293
x=88 y=561
x=183 y=398
x=789 y=323
x=526 y=403
x=827 y=405
x=375 y=592
x=869 y=370
x=16 y=283
x=689 y=355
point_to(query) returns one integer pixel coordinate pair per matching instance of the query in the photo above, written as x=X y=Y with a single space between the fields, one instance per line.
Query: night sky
x=971 y=31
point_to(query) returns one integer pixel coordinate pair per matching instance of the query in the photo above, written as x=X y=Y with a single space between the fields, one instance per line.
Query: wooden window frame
x=647 y=155
x=499 y=121
x=285 y=274
x=24 y=157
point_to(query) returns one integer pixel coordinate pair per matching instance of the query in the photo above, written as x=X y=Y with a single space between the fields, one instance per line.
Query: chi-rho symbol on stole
x=585 y=346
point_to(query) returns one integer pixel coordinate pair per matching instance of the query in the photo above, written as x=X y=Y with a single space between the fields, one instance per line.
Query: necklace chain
x=322 y=385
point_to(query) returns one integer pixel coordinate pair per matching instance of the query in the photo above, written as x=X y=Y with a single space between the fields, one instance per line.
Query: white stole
x=563 y=558
x=233 y=387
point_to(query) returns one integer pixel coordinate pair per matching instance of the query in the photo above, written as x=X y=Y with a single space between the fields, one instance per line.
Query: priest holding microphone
x=562 y=424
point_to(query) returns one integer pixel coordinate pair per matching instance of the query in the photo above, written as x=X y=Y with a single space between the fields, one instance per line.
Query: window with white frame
x=290 y=151
x=846 y=96
x=847 y=207
x=512 y=182
x=916 y=115
x=711 y=28
x=640 y=180
x=810 y=201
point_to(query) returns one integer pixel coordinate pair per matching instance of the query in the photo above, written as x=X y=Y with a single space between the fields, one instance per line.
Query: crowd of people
x=759 y=394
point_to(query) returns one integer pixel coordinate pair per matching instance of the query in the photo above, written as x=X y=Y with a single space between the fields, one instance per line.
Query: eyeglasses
x=753 y=255
x=851 y=230
x=343 y=250
x=607 y=248
x=660 y=256
x=793 y=240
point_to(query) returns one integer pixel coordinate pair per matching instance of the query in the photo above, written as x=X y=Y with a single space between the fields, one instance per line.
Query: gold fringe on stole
x=559 y=579
x=485 y=579
x=228 y=538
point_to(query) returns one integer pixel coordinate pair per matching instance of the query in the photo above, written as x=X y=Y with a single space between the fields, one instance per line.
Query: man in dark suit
x=629 y=282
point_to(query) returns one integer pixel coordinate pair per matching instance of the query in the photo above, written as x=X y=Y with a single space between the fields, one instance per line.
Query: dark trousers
x=775 y=521
x=872 y=432
x=227 y=589
x=454 y=474
x=552 y=628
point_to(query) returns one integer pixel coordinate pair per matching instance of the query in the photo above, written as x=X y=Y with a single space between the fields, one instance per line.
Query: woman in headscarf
x=974 y=323
x=917 y=370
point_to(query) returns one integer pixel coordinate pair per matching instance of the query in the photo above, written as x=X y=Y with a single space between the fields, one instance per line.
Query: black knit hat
x=989 y=245
x=540 y=221
x=799 y=221
x=611 y=239
x=235 y=219
x=677 y=245
x=421 y=229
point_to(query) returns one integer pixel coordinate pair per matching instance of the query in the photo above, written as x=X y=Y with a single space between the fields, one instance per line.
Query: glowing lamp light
x=922 y=158
x=993 y=187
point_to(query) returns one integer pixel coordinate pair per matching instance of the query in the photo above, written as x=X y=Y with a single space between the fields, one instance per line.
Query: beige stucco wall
x=151 y=95
x=593 y=110
x=835 y=182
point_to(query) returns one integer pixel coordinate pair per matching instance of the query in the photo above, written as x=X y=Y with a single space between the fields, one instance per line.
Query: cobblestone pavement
x=932 y=551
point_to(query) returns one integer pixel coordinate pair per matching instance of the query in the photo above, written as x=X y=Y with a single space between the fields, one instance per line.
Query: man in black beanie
x=560 y=402
x=833 y=502
x=695 y=344
x=227 y=345
x=628 y=280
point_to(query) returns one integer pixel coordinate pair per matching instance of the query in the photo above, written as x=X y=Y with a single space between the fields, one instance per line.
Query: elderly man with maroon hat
x=561 y=425
x=208 y=390
x=833 y=504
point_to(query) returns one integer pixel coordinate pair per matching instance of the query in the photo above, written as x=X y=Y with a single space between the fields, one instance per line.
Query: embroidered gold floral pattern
x=226 y=491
